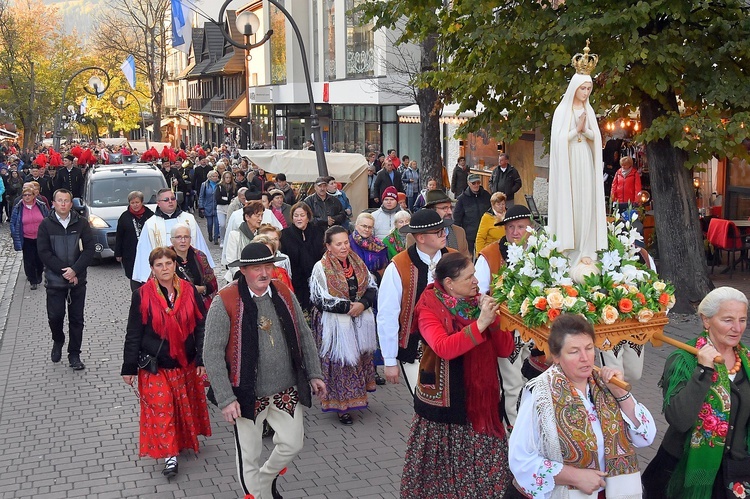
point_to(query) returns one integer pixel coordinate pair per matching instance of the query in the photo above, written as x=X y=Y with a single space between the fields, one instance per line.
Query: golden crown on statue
x=584 y=63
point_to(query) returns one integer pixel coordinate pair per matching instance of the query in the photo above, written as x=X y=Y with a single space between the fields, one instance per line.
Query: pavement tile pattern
x=66 y=433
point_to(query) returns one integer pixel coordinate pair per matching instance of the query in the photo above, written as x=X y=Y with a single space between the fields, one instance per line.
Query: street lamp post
x=248 y=23
x=94 y=82
x=119 y=100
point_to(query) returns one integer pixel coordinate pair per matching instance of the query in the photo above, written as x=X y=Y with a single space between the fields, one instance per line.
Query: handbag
x=150 y=362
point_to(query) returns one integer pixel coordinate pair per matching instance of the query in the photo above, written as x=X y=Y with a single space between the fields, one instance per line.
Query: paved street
x=74 y=434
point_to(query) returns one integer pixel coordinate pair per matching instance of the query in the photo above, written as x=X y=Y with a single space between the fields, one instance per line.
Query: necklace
x=737 y=364
x=348 y=269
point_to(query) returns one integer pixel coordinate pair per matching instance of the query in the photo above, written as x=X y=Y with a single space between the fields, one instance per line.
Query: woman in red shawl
x=166 y=324
x=458 y=445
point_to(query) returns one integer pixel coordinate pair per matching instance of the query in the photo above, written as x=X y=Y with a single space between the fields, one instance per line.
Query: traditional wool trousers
x=288 y=439
x=512 y=379
x=625 y=359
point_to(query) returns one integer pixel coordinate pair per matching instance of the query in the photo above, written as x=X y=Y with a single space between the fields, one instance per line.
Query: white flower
x=531 y=241
x=544 y=251
x=515 y=254
x=536 y=283
x=512 y=293
x=617 y=277
x=660 y=286
x=525 y=307
x=528 y=269
x=610 y=260
x=631 y=274
x=570 y=301
x=598 y=296
x=634 y=216
x=557 y=262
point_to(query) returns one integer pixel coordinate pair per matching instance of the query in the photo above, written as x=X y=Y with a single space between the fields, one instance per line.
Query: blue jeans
x=212 y=224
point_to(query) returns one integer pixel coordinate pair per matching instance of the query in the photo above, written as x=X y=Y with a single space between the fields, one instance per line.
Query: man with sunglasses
x=403 y=282
x=157 y=229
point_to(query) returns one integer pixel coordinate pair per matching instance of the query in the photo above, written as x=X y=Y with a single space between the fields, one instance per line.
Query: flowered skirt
x=347 y=386
x=173 y=411
x=451 y=461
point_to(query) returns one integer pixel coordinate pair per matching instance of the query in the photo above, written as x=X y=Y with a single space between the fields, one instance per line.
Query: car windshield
x=114 y=191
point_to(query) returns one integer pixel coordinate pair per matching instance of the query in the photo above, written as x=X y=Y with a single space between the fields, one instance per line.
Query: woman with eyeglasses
x=240 y=237
x=369 y=248
x=192 y=264
x=129 y=228
x=24 y=224
x=164 y=351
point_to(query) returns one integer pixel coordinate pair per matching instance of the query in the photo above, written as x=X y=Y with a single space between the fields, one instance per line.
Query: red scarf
x=172 y=324
x=137 y=213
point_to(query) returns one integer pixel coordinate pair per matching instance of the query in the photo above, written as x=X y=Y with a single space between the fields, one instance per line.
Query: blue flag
x=128 y=69
x=182 y=32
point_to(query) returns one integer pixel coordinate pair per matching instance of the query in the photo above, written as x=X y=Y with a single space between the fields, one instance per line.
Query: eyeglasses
x=439 y=232
x=181 y=238
x=368 y=227
x=167 y=200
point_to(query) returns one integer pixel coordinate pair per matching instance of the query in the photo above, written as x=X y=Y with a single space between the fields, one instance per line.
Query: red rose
x=710 y=423
x=664 y=299
x=541 y=303
x=625 y=305
x=738 y=489
x=641 y=298
x=705 y=411
x=553 y=313
x=722 y=428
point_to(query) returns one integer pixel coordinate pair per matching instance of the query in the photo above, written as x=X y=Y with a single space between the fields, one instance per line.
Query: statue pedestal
x=607 y=335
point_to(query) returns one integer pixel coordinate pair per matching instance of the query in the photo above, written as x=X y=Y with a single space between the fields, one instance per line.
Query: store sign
x=261 y=95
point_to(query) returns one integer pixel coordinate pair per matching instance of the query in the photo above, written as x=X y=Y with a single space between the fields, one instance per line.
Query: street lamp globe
x=120 y=101
x=96 y=83
x=247 y=23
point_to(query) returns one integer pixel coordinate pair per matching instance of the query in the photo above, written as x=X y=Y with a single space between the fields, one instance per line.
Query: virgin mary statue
x=577 y=213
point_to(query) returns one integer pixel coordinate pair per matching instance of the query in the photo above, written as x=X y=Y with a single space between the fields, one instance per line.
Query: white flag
x=182 y=31
x=128 y=69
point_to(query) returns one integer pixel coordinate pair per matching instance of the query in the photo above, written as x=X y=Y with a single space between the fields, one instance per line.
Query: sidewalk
x=74 y=434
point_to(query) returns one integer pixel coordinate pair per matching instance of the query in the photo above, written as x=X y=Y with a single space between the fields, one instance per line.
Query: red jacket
x=624 y=189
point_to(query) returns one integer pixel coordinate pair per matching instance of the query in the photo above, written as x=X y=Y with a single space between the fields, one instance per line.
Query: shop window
x=480 y=150
x=360 y=43
x=278 y=46
x=329 y=45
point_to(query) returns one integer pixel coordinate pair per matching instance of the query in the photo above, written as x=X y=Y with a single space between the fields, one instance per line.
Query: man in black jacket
x=470 y=207
x=459 y=182
x=65 y=245
x=69 y=177
x=505 y=179
x=327 y=209
x=386 y=177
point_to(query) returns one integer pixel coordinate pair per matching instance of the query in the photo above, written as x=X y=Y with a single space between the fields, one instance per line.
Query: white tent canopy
x=410 y=114
x=116 y=141
x=302 y=166
x=140 y=145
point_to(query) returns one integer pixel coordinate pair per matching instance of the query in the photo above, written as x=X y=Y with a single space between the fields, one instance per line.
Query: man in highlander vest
x=261 y=360
x=403 y=282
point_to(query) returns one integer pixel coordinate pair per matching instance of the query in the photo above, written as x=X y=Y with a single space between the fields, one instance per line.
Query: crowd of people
x=311 y=298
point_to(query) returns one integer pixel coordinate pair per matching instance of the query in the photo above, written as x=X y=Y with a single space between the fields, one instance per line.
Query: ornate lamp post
x=95 y=87
x=248 y=23
x=119 y=100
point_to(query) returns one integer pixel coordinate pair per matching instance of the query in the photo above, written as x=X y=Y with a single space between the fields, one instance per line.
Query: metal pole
x=58 y=118
x=140 y=110
x=249 y=132
x=314 y=122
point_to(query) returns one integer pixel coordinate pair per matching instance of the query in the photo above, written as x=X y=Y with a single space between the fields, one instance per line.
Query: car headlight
x=97 y=222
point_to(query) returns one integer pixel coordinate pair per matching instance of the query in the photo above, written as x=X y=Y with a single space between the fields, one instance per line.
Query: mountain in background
x=78 y=14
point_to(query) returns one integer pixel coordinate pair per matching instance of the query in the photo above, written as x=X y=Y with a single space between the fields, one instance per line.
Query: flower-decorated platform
x=607 y=335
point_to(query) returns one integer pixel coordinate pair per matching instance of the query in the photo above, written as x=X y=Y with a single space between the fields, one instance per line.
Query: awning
x=239 y=108
x=410 y=114
x=8 y=135
x=164 y=122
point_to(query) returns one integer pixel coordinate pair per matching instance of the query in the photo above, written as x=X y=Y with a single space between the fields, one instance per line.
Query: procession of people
x=311 y=299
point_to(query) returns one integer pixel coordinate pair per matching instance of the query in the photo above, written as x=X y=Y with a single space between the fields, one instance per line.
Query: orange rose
x=625 y=305
x=540 y=302
x=553 y=313
x=592 y=307
x=645 y=315
x=664 y=299
x=610 y=314
x=641 y=298
x=571 y=291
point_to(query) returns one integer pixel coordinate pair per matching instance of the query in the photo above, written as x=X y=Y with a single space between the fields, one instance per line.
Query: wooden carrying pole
x=683 y=346
x=617 y=381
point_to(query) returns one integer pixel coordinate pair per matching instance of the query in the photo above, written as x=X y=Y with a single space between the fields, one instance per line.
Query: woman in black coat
x=128 y=231
x=303 y=243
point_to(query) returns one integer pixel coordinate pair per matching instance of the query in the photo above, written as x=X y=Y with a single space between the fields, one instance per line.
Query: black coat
x=383 y=181
x=60 y=247
x=126 y=238
x=303 y=254
x=142 y=337
x=46 y=188
x=71 y=180
x=469 y=210
x=324 y=208
x=507 y=182
x=460 y=180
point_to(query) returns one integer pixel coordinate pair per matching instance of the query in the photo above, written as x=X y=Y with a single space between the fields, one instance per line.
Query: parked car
x=105 y=198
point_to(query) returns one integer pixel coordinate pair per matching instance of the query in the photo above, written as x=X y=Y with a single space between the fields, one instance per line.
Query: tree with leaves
x=415 y=25
x=681 y=64
x=140 y=28
x=33 y=64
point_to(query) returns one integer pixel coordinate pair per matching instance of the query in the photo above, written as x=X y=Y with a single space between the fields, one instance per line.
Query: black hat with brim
x=516 y=212
x=255 y=254
x=425 y=221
